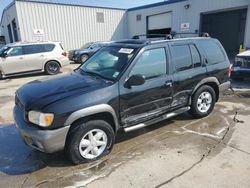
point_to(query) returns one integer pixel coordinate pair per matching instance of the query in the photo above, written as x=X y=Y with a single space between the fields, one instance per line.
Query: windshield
x=108 y=62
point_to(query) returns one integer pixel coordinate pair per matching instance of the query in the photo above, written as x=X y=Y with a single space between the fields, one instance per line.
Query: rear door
x=153 y=98
x=188 y=71
x=34 y=57
x=15 y=62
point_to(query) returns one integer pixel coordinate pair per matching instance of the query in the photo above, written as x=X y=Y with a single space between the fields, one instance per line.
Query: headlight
x=41 y=119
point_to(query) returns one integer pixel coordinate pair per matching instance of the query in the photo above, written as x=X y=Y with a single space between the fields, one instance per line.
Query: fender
x=202 y=82
x=92 y=110
x=206 y=80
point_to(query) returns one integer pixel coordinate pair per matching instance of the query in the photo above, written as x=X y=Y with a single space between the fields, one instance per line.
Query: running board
x=158 y=119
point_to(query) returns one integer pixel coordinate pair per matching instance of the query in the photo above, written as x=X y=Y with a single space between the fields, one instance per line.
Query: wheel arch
x=52 y=60
x=212 y=82
x=101 y=112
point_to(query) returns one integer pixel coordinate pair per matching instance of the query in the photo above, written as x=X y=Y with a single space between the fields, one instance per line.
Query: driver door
x=141 y=103
x=14 y=62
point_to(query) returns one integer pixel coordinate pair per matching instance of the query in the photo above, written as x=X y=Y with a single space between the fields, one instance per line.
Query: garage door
x=228 y=27
x=160 y=23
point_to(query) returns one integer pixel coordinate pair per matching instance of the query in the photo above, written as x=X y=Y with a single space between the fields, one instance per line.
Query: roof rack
x=170 y=36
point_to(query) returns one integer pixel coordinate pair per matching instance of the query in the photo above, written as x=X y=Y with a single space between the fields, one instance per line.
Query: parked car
x=26 y=58
x=241 y=67
x=124 y=86
x=81 y=55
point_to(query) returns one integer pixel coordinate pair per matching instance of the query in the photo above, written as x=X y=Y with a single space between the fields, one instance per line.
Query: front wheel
x=89 y=141
x=52 y=67
x=203 y=102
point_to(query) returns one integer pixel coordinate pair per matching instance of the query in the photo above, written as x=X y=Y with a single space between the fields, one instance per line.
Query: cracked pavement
x=180 y=152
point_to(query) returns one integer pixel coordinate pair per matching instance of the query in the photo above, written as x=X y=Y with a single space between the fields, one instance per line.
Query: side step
x=158 y=119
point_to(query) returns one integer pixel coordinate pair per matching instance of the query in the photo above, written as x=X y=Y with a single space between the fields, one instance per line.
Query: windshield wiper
x=95 y=75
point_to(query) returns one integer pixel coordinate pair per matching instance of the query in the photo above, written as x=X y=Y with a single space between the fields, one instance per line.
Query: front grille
x=21 y=106
x=19 y=103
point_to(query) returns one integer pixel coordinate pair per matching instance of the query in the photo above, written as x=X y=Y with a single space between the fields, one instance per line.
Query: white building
x=74 y=25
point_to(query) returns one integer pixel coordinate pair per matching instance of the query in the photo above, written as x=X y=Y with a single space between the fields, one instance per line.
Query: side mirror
x=135 y=80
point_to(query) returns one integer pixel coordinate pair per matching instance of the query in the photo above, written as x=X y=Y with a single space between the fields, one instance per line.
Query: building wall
x=191 y=15
x=7 y=17
x=71 y=25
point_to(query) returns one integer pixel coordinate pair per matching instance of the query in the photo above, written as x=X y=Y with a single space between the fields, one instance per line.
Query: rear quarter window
x=48 y=47
x=213 y=51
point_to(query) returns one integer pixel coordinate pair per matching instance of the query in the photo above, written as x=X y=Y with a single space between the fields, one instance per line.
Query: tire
x=52 y=67
x=84 y=58
x=91 y=150
x=203 y=102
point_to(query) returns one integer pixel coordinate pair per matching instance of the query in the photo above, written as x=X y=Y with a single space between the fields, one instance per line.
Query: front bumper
x=48 y=141
x=224 y=86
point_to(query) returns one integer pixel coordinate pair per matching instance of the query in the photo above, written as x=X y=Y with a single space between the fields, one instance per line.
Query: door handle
x=20 y=57
x=169 y=83
x=42 y=55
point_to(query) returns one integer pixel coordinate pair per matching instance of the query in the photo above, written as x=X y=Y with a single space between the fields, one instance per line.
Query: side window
x=181 y=57
x=32 y=49
x=47 y=47
x=15 y=51
x=195 y=56
x=152 y=63
x=213 y=51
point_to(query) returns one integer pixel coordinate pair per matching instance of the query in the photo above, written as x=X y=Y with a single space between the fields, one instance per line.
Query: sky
x=104 y=3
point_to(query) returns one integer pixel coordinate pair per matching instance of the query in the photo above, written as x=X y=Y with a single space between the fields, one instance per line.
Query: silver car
x=26 y=58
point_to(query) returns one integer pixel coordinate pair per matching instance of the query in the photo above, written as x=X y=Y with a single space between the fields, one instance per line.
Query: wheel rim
x=93 y=144
x=53 y=67
x=84 y=58
x=204 y=102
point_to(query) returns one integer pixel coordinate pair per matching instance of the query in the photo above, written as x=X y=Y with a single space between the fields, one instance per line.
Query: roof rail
x=171 y=35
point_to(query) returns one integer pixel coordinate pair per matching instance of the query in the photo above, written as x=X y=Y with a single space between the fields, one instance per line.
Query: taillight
x=66 y=54
x=229 y=70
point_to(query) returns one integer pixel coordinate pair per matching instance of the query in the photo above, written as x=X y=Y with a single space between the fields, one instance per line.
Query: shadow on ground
x=16 y=158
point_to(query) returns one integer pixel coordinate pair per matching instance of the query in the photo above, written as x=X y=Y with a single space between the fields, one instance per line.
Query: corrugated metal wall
x=191 y=15
x=72 y=25
x=9 y=15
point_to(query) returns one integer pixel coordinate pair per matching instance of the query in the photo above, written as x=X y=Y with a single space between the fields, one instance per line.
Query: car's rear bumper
x=48 y=141
x=224 y=86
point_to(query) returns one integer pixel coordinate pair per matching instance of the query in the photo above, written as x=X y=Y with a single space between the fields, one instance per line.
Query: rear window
x=213 y=50
x=47 y=47
x=31 y=49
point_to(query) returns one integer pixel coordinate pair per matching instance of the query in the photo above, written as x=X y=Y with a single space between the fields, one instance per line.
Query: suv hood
x=40 y=93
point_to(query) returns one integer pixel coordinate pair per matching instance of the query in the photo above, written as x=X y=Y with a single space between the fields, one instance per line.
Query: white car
x=26 y=58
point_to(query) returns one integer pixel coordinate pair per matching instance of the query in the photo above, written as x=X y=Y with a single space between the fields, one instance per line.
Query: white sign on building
x=185 y=26
x=38 y=32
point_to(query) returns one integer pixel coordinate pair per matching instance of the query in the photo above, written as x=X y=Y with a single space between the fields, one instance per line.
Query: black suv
x=124 y=86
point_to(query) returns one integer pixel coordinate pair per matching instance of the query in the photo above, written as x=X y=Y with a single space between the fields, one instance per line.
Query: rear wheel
x=89 y=141
x=84 y=58
x=52 y=67
x=203 y=101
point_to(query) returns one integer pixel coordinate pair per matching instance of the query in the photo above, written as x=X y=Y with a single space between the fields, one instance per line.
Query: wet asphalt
x=179 y=152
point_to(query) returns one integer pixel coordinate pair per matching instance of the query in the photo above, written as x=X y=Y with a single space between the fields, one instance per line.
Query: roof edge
x=155 y=4
x=65 y=4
